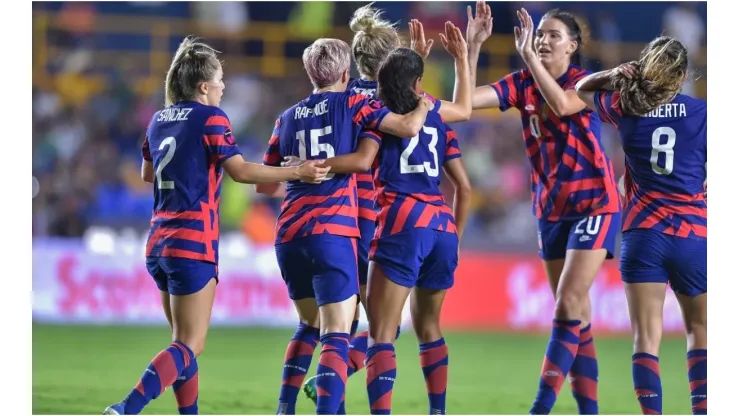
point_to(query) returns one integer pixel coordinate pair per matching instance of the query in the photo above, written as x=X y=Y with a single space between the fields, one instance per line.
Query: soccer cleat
x=309 y=389
x=114 y=409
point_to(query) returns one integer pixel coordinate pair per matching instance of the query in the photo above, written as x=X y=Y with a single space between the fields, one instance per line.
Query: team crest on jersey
x=229 y=137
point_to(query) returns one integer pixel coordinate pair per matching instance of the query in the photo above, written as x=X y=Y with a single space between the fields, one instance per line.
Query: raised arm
x=587 y=87
x=562 y=103
x=461 y=107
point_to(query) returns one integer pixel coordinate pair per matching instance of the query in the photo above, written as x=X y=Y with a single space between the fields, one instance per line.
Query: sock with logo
x=331 y=374
x=696 y=361
x=646 y=379
x=161 y=373
x=559 y=356
x=298 y=358
x=381 y=374
x=186 y=389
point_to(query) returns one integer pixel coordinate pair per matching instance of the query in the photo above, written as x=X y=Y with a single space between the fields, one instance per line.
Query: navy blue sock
x=331 y=374
x=186 y=389
x=298 y=358
x=646 y=379
x=697 y=365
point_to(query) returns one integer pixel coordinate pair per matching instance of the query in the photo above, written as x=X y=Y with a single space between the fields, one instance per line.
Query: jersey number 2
x=426 y=166
x=665 y=148
x=171 y=145
x=316 y=147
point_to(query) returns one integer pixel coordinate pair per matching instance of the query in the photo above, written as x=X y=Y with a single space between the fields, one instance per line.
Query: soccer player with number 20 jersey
x=664 y=135
x=188 y=145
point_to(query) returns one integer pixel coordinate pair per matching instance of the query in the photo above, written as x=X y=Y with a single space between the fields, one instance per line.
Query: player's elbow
x=464 y=190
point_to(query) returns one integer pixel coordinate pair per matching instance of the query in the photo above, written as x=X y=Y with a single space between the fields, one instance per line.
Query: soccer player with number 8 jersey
x=187 y=147
x=664 y=135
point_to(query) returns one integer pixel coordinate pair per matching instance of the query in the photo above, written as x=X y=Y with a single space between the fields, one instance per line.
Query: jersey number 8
x=426 y=166
x=665 y=148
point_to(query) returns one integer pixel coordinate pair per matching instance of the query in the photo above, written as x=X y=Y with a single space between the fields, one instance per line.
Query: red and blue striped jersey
x=365 y=186
x=666 y=157
x=322 y=126
x=187 y=143
x=408 y=177
x=572 y=177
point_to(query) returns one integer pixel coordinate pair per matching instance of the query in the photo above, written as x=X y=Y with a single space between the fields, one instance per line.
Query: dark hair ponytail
x=396 y=79
x=577 y=29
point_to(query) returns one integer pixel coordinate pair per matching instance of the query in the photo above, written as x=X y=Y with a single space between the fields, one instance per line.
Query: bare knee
x=570 y=305
x=428 y=332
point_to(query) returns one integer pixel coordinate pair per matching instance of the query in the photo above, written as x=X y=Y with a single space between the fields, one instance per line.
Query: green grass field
x=80 y=370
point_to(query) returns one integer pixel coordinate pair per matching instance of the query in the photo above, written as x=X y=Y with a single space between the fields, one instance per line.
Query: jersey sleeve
x=272 y=154
x=607 y=106
x=372 y=135
x=508 y=90
x=218 y=138
x=452 y=149
x=145 y=153
x=366 y=113
x=573 y=80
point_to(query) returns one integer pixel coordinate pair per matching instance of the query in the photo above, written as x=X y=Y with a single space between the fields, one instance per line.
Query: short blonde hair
x=325 y=60
x=374 y=40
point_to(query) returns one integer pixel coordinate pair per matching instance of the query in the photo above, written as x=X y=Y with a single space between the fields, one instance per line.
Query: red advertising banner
x=491 y=292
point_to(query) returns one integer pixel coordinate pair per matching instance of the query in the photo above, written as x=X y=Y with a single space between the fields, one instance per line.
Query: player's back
x=186 y=143
x=408 y=177
x=321 y=126
x=666 y=156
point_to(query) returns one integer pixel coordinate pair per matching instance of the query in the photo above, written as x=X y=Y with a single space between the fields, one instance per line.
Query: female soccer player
x=374 y=39
x=664 y=135
x=416 y=239
x=575 y=196
x=187 y=146
x=317 y=230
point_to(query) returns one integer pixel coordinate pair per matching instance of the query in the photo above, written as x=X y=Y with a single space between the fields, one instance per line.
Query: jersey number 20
x=665 y=148
x=426 y=166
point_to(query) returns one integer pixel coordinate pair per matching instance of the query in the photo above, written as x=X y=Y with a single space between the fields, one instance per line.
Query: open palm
x=479 y=27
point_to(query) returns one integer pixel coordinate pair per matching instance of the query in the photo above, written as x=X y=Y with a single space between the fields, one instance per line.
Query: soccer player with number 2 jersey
x=664 y=136
x=187 y=147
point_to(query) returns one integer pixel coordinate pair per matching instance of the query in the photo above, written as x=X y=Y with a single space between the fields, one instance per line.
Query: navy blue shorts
x=321 y=266
x=589 y=233
x=367 y=230
x=649 y=256
x=421 y=257
x=178 y=276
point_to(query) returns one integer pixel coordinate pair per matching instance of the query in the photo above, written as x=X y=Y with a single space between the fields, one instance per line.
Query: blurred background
x=98 y=75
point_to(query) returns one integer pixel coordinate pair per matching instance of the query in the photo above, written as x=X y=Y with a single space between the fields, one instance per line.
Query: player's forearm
x=595 y=82
x=254 y=173
x=351 y=163
x=551 y=91
x=461 y=207
x=463 y=93
x=412 y=123
x=473 y=55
